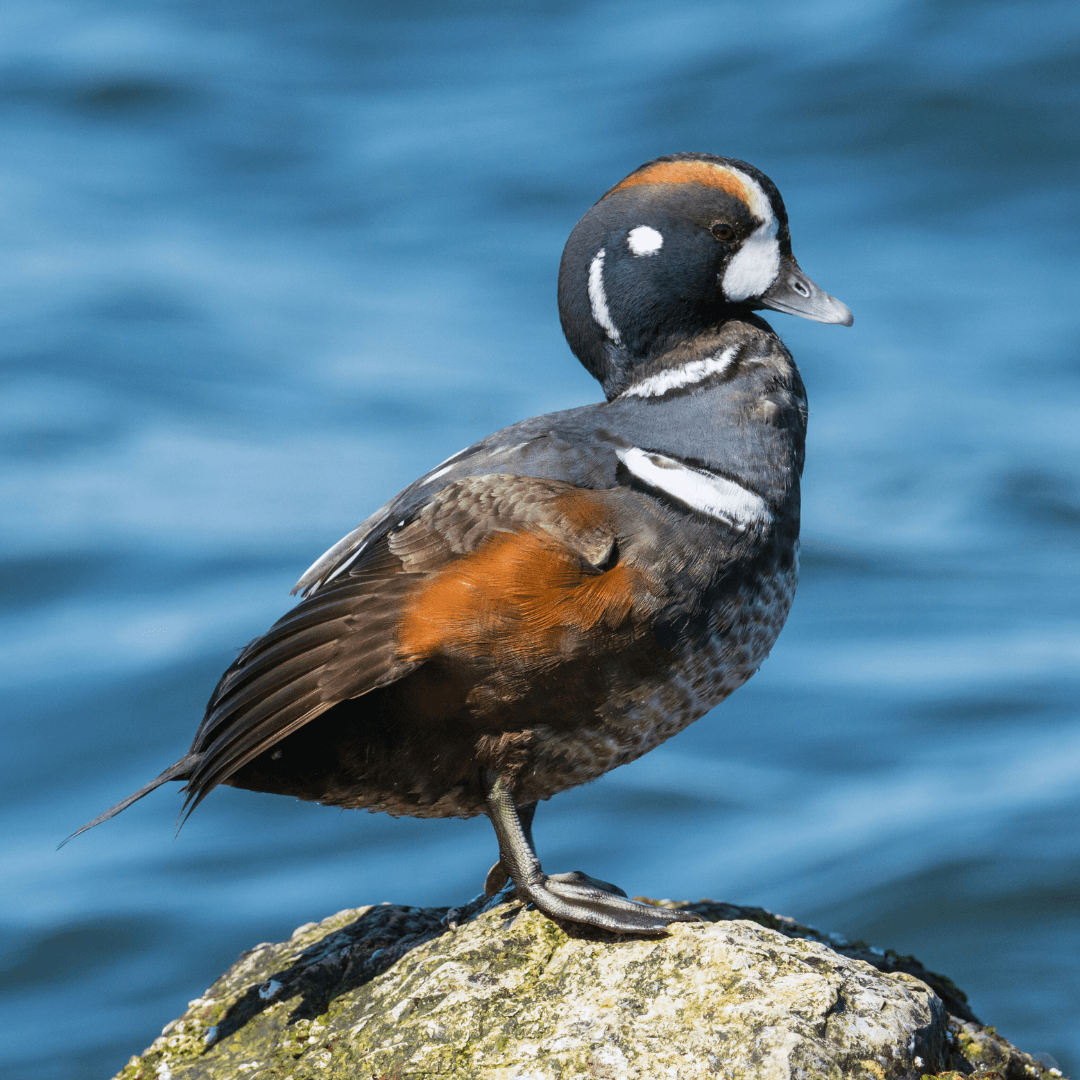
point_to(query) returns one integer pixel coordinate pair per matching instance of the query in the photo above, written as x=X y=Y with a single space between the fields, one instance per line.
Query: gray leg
x=497 y=876
x=575 y=897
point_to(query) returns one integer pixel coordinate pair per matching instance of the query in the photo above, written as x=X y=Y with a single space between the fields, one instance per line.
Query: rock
x=400 y=993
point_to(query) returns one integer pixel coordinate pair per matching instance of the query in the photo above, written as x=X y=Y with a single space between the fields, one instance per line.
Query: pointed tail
x=180 y=771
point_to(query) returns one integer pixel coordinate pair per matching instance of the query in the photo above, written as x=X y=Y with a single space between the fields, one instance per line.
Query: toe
x=577 y=877
x=580 y=898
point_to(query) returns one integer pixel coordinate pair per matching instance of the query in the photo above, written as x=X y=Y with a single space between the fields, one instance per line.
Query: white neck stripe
x=676 y=378
x=709 y=494
x=598 y=298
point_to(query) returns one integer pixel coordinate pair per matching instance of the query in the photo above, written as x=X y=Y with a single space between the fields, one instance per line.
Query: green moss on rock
x=410 y=993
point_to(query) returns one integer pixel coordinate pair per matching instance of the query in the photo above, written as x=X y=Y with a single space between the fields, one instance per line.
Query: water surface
x=266 y=263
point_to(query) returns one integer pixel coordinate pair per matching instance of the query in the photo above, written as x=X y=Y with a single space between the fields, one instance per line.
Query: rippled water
x=266 y=263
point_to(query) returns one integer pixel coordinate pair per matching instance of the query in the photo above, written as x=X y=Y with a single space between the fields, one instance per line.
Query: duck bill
x=793 y=292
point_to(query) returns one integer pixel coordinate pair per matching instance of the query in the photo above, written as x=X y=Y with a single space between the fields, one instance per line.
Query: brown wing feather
x=340 y=644
x=354 y=634
x=494 y=569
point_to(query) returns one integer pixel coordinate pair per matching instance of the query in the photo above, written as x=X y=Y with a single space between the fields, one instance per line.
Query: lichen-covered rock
x=402 y=993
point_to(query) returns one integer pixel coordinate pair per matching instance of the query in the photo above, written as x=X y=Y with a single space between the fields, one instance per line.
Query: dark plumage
x=564 y=595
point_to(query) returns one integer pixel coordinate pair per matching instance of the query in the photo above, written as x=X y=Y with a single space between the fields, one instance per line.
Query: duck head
x=682 y=244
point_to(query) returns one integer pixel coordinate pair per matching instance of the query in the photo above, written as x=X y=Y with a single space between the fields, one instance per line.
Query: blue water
x=263 y=264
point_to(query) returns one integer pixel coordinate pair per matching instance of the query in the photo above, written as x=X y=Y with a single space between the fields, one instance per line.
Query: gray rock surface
x=396 y=993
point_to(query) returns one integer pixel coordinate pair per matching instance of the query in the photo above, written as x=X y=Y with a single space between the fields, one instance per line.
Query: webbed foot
x=580 y=898
x=579 y=877
x=575 y=897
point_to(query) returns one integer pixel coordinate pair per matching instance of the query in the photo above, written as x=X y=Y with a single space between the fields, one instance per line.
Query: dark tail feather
x=180 y=771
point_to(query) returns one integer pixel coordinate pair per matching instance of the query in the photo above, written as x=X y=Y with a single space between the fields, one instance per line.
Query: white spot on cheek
x=598 y=298
x=644 y=240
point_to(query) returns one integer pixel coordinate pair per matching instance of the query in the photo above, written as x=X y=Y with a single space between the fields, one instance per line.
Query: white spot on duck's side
x=757 y=263
x=709 y=494
x=644 y=240
x=675 y=379
x=598 y=298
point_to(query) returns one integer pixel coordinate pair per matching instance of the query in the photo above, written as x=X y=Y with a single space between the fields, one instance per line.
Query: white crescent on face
x=757 y=262
x=598 y=298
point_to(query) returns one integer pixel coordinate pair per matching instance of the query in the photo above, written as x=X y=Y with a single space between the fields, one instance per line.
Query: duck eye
x=722 y=231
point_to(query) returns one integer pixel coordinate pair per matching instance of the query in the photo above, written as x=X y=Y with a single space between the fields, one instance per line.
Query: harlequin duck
x=566 y=594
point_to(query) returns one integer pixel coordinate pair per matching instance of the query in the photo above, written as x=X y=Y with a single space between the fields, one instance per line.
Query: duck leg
x=497 y=876
x=575 y=897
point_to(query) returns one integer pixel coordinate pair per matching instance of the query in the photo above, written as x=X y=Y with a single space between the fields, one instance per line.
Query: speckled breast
x=708 y=669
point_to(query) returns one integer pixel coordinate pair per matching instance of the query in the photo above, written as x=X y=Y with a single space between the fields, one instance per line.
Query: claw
x=496 y=879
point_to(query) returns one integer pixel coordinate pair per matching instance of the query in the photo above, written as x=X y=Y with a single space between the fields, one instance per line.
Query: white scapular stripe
x=706 y=492
x=437 y=473
x=452 y=457
x=598 y=298
x=346 y=564
x=644 y=240
x=659 y=384
x=351 y=545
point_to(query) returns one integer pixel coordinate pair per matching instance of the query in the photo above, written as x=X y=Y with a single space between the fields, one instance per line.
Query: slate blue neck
x=748 y=424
